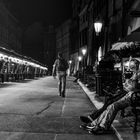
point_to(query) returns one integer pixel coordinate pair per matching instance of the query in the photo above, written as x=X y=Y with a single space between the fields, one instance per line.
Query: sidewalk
x=122 y=127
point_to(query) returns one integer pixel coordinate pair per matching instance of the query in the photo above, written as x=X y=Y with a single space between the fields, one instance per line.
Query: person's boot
x=85 y=119
x=88 y=127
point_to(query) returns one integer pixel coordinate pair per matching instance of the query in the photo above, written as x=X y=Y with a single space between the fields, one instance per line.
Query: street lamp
x=79 y=60
x=98 y=27
x=69 y=72
x=70 y=61
x=84 y=53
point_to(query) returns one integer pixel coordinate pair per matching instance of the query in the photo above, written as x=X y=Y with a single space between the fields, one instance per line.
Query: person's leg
x=60 y=87
x=106 y=118
x=59 y=84
x=96 y=113
x=63 y=85
x=91 y=117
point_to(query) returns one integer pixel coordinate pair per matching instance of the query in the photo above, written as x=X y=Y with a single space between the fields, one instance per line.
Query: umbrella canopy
x=121 y=45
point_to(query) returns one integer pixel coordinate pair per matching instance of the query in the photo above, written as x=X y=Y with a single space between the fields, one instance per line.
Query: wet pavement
x=32 y=110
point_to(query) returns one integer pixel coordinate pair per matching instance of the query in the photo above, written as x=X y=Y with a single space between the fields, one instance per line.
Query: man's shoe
x=98 y=131
x=85 y=119
x=86 y=127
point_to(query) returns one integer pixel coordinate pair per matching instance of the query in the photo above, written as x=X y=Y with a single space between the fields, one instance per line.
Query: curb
x=97 y=104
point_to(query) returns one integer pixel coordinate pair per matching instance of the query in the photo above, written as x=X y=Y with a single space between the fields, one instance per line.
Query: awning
x=121 y=45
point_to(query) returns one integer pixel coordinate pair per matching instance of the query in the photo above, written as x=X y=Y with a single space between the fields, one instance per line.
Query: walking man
x=59 y=68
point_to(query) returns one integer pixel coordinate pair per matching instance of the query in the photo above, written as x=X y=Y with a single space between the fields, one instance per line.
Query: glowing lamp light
x=70 y=61
x=79 y=58
x=98 y=27
x=84 y=51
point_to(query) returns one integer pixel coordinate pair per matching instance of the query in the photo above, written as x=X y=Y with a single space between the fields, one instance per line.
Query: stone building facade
x=49 y=46
x=63 y=39
x=120 y=18
x=10 y=31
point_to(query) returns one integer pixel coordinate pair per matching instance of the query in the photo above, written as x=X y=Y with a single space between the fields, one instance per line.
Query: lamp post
x=70 y=62
x=84 y=51
x=98 y=27
x=79 y=61
x=79 y=58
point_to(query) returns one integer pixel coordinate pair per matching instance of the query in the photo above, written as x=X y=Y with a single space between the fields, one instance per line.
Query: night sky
x=49 y=11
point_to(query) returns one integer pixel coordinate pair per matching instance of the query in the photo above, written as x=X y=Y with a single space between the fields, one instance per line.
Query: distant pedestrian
x=60 y=68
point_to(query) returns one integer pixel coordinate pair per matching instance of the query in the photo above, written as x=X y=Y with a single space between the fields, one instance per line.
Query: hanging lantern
x=79 y=58
x=84 y=51
x=98 y=27
x=70 y=61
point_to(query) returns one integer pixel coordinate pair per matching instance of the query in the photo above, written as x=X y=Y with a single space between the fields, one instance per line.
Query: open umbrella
x=121 y=45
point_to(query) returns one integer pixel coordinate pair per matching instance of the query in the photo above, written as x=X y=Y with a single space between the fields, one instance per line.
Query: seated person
x=101 y=121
